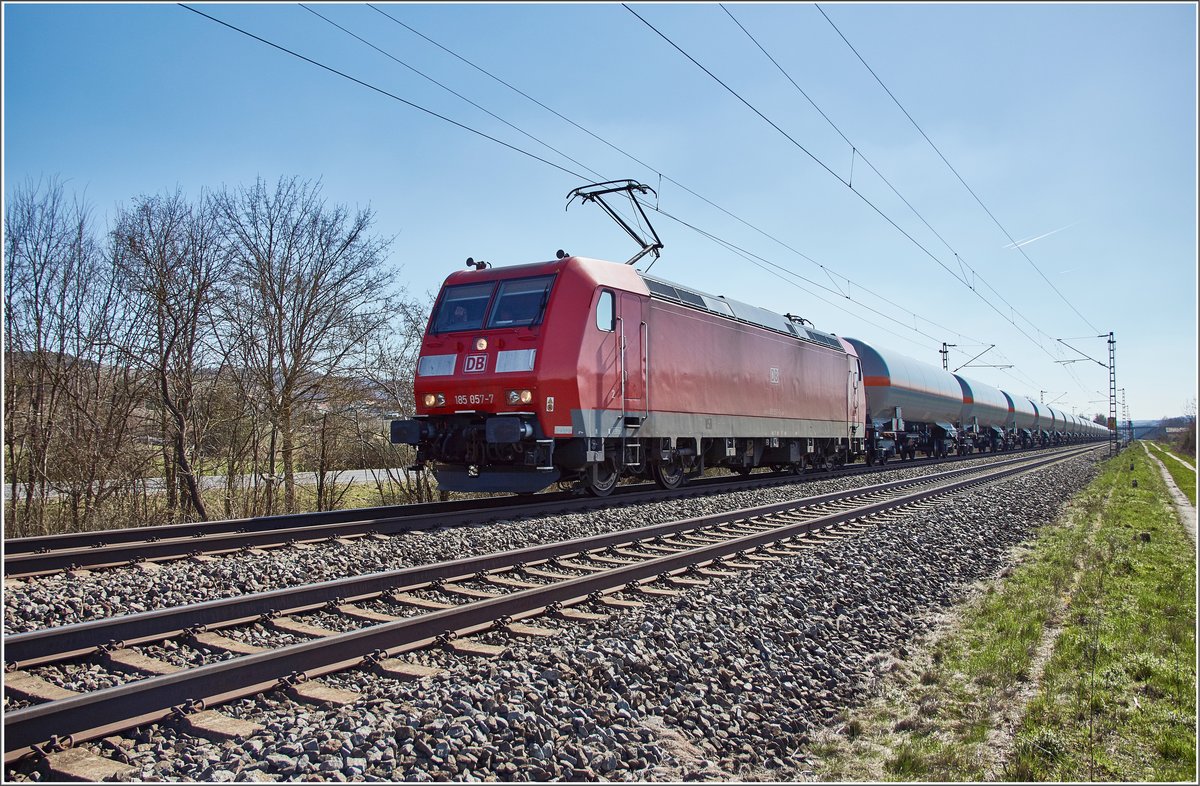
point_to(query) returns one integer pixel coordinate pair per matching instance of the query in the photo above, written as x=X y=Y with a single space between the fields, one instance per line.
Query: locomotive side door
x=853 y=394
x=631 y=333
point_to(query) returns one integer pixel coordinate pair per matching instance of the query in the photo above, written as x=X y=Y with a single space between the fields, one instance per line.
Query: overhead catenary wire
x=751 y=256
x=450 y=90
x=970 y=190
x=792 y=139
x=381 y=91
x=430 y=112
x=493 y=139
x=660 y=174
x=823 y=165
x=779 y=272
x=857 y=153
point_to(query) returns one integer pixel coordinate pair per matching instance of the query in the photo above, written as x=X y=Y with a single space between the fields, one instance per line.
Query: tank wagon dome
x=923 y=393
x=982 y=404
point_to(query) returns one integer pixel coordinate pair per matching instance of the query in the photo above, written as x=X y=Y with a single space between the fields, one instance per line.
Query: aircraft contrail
x=1039 y=237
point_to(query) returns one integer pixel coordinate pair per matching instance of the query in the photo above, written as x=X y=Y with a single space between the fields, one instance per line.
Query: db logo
x=475 y=363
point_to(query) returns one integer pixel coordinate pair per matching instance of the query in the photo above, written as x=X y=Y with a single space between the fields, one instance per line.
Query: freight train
x=583 y=371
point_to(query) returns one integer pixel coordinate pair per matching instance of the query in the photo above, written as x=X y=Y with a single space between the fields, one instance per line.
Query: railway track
x=24 y=557
x=386 y=615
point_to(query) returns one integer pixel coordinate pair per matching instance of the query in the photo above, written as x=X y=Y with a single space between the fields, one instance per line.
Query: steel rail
x=198 y=529
x=112 y=548
x=35 y=556
x=114 y=709
x=47 y=645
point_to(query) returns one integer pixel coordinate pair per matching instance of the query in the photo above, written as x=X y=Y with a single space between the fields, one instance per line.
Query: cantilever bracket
x=595 y=193
x=981 y=354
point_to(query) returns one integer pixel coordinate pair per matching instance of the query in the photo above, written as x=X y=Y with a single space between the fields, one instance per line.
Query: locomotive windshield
x=463 y=307
x=517 y=303
x=521 y=302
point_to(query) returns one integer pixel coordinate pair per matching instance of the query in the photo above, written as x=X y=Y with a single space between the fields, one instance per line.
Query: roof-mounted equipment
x=595 y=193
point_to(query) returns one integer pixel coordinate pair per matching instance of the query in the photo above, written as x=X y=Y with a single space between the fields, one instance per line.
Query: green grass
x=1184 y=478
x=1127 y=615
x=1177 y=449
x=1118 y=696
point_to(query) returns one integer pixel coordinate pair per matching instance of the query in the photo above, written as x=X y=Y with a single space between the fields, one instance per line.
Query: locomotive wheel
x=601 y=478
x=668 y=475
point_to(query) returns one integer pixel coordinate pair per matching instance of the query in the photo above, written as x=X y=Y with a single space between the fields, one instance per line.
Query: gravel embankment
x=61 y=600
x=726 y=681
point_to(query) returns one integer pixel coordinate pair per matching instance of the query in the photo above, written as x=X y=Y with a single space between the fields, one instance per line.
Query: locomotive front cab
x=476 y=388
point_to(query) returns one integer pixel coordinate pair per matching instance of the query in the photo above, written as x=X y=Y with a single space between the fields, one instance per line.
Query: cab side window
x=604 y=312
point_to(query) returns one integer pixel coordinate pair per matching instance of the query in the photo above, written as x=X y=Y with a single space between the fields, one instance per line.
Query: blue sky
x=1079 y=118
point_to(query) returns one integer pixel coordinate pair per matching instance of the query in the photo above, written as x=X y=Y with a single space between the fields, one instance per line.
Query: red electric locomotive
x=584 y=370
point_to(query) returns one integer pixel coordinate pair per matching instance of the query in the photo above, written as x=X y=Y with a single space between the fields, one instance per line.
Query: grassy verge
x=1118 y=697
x=1079 y=664
x=1178 y=450
x=1183 y=477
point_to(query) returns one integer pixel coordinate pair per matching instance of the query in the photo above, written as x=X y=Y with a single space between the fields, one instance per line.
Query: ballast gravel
x=63 y=599
x=727 y=681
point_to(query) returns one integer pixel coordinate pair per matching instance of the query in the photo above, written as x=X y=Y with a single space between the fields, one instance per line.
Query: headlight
x=435 y=399
x=480 y=344
x=519 y=397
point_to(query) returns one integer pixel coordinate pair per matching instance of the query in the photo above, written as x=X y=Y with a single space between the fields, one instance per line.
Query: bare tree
x=68 y=405
x=173 y=264
x=44 y=243
x=393 y=354
x=98 y=462
x=1187 y=440
x=391 y=371
x=310 y=285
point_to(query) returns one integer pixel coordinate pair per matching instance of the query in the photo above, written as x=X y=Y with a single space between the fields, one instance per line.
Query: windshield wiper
x=537 y=320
